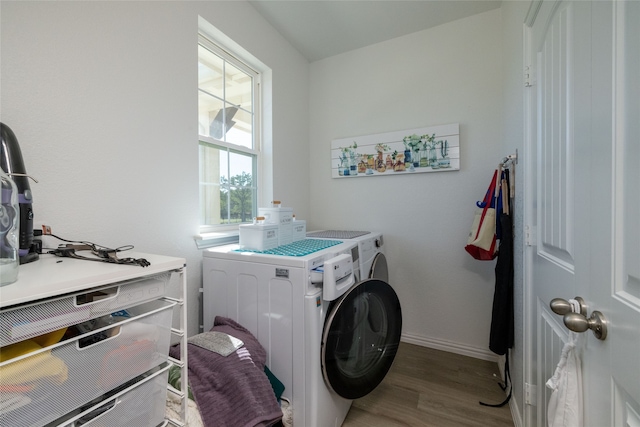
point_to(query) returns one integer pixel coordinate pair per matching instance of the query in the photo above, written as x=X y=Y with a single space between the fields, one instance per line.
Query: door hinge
x=529 y=235
x=528 y=76
x=530 y=394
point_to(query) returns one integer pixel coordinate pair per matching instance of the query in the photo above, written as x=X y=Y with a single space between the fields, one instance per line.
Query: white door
x=583 y=200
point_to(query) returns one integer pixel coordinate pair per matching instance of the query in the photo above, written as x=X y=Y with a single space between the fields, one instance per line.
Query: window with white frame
x=228 y=123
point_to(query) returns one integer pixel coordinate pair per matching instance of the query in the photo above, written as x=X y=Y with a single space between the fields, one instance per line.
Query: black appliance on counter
x=12 y=163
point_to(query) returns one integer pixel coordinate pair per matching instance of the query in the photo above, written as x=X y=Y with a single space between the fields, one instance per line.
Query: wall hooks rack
x=510 y=159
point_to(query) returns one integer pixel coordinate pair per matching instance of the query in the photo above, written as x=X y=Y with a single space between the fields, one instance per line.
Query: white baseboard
x=451 y=347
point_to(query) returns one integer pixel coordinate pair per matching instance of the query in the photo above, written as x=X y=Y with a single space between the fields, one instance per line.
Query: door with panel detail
x=583 y=200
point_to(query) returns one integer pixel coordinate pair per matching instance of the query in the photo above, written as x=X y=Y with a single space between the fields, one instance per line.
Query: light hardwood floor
x=427 y=387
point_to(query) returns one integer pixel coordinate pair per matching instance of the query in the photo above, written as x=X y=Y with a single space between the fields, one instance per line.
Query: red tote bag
x=482 y=239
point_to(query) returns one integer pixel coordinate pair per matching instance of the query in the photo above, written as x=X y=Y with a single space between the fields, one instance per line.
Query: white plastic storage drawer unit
x=53 y=381
x=141 y=404
x=28 y=321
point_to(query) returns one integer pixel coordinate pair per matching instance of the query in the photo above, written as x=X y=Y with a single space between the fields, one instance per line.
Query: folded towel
x=38 y=366
x=219 y=342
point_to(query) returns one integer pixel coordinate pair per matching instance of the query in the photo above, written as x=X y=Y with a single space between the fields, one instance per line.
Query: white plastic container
x=259 y=236
x=283 y=218
x=299 y=229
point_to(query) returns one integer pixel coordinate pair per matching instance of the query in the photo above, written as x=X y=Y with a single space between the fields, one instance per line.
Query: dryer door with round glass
x=360 y=338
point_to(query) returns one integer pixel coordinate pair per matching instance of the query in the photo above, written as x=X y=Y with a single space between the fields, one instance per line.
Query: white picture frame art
x=428 y=149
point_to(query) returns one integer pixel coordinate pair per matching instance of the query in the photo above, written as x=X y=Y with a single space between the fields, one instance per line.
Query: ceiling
x=322 y=28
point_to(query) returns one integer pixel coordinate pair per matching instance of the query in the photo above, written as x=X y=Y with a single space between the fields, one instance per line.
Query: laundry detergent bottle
x=9 y=226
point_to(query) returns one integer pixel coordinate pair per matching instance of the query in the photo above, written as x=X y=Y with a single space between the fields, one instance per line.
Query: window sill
x=208 y=240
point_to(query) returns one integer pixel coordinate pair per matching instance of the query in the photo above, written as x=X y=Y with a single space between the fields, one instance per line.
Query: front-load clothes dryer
x=329 y=338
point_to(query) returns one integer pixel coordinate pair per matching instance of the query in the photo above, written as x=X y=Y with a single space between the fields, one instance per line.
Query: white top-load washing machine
x=329 y=338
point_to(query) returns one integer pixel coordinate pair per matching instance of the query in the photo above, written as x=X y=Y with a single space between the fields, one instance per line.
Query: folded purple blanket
x=233 y=390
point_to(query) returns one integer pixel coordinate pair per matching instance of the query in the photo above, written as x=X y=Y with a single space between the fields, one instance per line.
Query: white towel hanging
x=565 y=404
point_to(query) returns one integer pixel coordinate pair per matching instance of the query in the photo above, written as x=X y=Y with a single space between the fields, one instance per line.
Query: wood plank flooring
x=432 y=388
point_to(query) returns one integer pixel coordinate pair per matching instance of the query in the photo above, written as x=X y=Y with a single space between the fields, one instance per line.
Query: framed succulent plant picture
x=428 y=149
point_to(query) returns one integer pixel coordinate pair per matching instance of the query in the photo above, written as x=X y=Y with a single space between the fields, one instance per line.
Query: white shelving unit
x=115 y=373
x=181 y=333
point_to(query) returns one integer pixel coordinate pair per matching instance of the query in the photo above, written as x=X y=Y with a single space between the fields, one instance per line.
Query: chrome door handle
x=562 y=306
x=578 y=322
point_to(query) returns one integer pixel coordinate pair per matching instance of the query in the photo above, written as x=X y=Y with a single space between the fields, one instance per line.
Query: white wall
x=102 y=97
x=448 y=74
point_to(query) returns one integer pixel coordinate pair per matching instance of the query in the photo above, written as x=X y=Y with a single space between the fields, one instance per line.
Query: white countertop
x=54 y=276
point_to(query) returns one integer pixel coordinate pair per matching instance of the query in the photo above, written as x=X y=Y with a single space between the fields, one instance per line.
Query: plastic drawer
x=28 y=321
x=142 y=404
x=44 y=385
